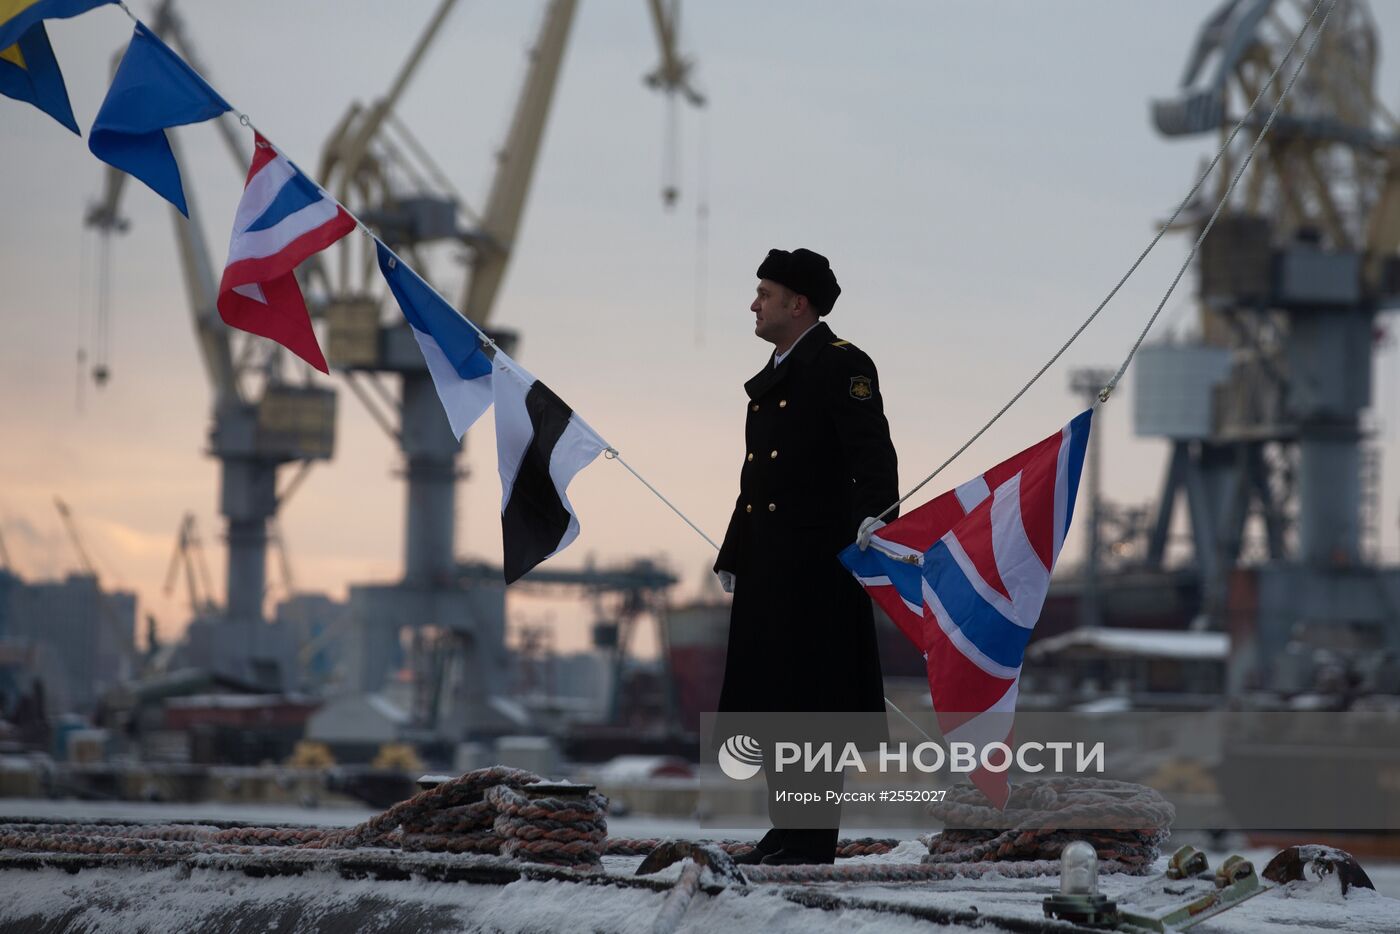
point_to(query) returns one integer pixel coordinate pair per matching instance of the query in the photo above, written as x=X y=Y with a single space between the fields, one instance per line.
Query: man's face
x=772 y=307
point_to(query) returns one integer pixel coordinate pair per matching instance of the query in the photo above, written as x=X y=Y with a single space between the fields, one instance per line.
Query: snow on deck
x=106 y=899
x=103 y=900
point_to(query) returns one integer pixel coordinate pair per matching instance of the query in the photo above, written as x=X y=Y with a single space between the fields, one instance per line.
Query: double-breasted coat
x=818 y=459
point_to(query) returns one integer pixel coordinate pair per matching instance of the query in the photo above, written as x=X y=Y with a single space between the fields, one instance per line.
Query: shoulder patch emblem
x=839 y=343
x=861 y=388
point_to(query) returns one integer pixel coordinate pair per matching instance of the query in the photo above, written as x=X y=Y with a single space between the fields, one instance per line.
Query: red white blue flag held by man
x=283 y=218
x=965 y=577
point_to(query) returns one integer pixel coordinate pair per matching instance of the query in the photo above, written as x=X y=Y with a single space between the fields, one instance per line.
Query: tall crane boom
x=672 y=75
x=189 y=554
x=1291 y=276
x=201 y=285
x=501 y=221
x=71 y=527
x=259 y=421
x=358 y=129
x=388 y=179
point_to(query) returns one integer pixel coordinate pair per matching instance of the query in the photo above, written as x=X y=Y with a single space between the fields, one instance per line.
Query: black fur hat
x=806 y=273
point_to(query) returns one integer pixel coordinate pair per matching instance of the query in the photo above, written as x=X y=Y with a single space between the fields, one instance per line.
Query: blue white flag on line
x=153 y=89
x=451 y=346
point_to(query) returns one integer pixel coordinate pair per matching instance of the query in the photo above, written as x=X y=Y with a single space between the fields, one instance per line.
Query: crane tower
x=1265 y=409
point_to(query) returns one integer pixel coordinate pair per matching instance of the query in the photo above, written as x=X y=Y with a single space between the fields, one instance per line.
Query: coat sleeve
x=863 y=432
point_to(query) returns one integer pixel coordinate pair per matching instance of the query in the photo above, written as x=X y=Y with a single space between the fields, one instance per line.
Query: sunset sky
x=979 y=175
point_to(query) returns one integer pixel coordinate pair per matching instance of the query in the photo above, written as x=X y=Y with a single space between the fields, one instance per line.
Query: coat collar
x=807 y=348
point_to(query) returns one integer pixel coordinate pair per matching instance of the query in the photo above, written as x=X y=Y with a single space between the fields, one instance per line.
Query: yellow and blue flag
x=28 y=70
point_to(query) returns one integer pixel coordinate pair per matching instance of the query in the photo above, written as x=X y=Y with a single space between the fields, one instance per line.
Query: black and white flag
x=540 y=445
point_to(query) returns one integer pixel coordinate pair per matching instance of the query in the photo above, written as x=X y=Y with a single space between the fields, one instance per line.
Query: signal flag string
x=610 y=452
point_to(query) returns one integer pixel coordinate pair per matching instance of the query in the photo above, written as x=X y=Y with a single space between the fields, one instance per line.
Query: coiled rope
x=453 y=817
x=563 y=831
x=1057 y=803
x=512 y=814
x=1045 y=815
x=488 y=811
x=1042 y=816
x=494 y=812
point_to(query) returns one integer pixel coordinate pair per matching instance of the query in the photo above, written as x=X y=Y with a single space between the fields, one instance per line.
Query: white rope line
x=609 y=452
x=1143 y=255
x=612 y=455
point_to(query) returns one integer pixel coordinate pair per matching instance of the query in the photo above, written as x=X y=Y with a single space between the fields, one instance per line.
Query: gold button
x=772 y=507
x=782 y=404
x=750 y=455
x=748 y=508
x=773 y=456
x=755 y=406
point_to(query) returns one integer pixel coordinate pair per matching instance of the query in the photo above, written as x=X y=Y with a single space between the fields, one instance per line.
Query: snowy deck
x=388 y=891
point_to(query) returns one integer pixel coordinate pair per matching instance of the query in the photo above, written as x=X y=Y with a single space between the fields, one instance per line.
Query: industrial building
x=72 y=636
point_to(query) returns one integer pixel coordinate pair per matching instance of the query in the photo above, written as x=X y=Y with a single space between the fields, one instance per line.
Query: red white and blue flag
x=965 y=577
x=283 y=218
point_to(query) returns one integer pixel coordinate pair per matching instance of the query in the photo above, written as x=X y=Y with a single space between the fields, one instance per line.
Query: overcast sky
x=979 y=174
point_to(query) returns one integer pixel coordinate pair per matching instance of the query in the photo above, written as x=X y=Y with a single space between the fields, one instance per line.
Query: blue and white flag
x=451 y=346
x=153 y=89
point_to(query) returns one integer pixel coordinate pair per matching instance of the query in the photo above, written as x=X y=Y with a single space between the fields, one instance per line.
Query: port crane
x=189 y=557
x=375 y=165
x=260 y=420
x=1265 y=410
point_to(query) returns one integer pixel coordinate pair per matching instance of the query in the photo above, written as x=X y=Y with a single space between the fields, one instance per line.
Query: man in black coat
x=818 y=461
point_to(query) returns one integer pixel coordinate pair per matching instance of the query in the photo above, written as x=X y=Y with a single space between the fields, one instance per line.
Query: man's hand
x=726 y=580
x=866 y=528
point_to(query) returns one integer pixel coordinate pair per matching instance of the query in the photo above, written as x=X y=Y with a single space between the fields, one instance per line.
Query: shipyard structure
x=1257 y=571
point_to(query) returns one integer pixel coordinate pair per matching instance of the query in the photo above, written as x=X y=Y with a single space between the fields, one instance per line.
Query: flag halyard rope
x=612 y=455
